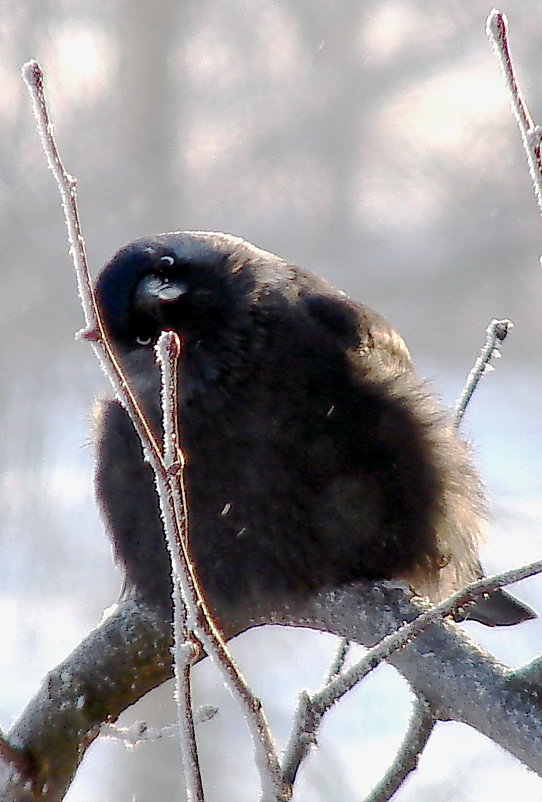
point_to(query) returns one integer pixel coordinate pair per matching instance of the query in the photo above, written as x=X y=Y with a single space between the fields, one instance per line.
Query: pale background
x=370 y=141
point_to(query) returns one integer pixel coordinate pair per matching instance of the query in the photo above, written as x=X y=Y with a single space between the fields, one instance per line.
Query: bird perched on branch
x=314 y=455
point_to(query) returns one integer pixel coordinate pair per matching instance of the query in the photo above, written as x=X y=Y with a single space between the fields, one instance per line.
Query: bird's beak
x=154 y=289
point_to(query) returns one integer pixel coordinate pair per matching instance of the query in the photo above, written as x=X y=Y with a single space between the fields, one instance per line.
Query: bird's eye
x=140 y=340
x=169 y=260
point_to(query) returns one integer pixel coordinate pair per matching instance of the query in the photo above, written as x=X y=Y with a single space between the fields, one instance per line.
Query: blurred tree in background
x=371 y=142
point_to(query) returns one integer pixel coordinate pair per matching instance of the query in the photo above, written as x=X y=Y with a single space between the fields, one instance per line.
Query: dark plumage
x=315 y=457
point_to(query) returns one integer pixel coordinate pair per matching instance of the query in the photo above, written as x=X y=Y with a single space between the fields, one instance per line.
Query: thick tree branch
x=311 y=709
x=460 y=681
x=116 y=664
x=129 y=654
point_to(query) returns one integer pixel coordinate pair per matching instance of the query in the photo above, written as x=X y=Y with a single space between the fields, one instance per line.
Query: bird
x=314 y=455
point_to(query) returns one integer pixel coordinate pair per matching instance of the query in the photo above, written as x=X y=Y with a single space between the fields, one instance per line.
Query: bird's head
x=192 y=282
x=205 y=286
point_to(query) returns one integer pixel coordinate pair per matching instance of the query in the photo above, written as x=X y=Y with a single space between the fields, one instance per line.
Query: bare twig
x=406 y=759
x=343 y=683
x=307 y=718
x=199 y=619
x=95 y=331
x=422 y=722
x=420 y=727
x=495 y=334
x=302 y=737
x=339 y=660
x=531 y=133
x=139 y=731
x=174 y=517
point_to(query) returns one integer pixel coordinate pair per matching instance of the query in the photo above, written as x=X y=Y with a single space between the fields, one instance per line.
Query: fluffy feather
x=315 y=456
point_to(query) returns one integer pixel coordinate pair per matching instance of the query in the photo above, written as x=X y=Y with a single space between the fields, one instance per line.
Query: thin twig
x=307 y=718
x=168 y=349
x=139 y=731
x=420 y=727
x=311 y=709
x=495 y=334
x=339 y=660
x=531 y=133
x=95 y=331
x=199 y=619
x=96 y=334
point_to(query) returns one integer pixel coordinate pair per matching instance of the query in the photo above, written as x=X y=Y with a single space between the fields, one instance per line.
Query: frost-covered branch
x=14 y=763
x=531 y=133
x=422 y=722
x=495 y=334
x=311 y=709
x=129 y=654
x=345 y=681
x=307 y=722
x=441 y=663
x=174 y=508
x=117 y=663
x=419 y=729
x=303 y=737
x=198 y=618
x=195 y=614
x=95 y=331
x=139 y=731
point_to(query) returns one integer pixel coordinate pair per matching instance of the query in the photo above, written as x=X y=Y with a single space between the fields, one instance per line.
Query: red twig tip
x=497 y=24
x=173 y=344
x=33 y=74
x=497 y=31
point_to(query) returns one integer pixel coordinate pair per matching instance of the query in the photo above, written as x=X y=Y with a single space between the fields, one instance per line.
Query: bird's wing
x=357 y=326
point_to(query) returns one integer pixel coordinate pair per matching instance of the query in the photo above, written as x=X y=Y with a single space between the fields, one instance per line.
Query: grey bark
x=129 y=654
